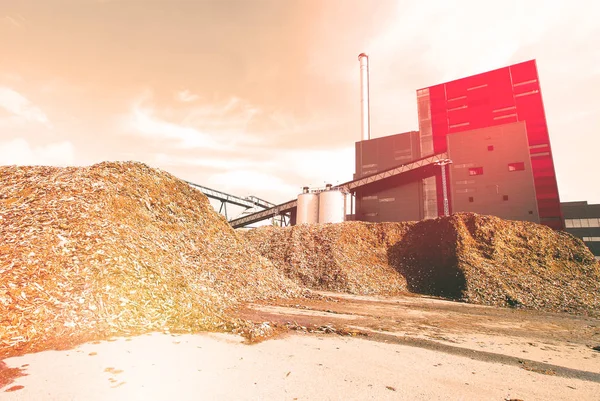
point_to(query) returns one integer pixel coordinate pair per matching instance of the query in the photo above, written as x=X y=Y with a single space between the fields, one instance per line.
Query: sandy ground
x=302 y=367
x=409 y=348
x=559 y=342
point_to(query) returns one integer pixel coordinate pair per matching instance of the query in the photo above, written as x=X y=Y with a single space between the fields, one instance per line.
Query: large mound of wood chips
x=347 y=257
x=487 y=260
x=117 y=248
x=120 y=248
x=478 y=259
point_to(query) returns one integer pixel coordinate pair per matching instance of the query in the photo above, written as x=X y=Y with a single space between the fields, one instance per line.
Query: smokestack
x=364 y=96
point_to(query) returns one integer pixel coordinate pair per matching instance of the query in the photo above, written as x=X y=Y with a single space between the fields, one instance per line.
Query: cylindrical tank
x=332 y=206
x=307 y=211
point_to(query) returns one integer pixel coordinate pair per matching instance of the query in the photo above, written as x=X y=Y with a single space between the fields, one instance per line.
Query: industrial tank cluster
x=324 y=206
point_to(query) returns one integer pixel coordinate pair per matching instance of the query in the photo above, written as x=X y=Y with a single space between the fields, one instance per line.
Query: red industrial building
x=485 y=136
x=492 y=126
x=502 y=96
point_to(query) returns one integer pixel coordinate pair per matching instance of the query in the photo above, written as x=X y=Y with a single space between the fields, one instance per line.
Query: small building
x=583 y=221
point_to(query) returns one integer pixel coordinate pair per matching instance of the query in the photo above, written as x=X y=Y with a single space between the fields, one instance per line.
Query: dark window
x=476 y=171
x=490 y=147
x=505 y=197
x=531 y=212
x=520 y=166
x=471 y=199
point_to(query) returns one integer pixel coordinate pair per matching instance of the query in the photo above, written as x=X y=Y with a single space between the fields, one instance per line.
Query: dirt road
x=561 y=344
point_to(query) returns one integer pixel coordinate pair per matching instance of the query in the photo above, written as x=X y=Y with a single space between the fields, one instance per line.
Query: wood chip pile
x=478 y=259
x=487 y=260
x=347 y=257
x=117 y=248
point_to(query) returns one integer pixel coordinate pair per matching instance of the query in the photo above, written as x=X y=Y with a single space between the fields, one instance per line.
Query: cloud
x=215 y=126
x=187 y=96
x=213 y=162
x=147 y=124
x=278 y=176
x=252 y=182
x=308 y=166
x=20 y=152
x=315 y=167
x=19 y=106
x=230 y=118
x=275 y=175
x=16 y=20
x=12 y=21
x=465 y=37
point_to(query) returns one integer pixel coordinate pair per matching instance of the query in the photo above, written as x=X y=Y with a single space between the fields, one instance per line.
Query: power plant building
x=482 y=146
x=493 y=129
x=505 y=95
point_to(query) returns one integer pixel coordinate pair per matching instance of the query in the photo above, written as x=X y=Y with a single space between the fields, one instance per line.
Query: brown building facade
x=399 y=202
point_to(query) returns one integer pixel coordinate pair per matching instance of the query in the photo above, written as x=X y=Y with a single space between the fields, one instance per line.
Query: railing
x=248 y=202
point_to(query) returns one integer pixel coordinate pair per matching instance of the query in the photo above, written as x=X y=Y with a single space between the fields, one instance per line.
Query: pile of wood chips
x=117 y=248
x=469 y=257
x=346 y=257
x=487 y=260
x=121 y=248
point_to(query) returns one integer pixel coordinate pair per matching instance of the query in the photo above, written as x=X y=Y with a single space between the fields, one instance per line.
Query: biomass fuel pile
x=117 y=248
x=346 y=257
x=477 y=259
x=121 y=248
x=487 y=260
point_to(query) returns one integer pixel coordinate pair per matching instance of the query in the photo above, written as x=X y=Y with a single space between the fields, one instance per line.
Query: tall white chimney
x=364 y=96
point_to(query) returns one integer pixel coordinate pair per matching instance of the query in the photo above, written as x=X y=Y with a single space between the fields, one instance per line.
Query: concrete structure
x=583 y=221
x=491 y=173
x=493 y=98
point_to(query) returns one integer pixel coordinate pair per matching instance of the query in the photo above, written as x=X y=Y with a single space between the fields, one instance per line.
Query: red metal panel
x=493 y=98
x=458 y=115
x=523 y=71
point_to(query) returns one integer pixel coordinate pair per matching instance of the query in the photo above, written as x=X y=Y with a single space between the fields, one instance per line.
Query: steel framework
x=248 y=202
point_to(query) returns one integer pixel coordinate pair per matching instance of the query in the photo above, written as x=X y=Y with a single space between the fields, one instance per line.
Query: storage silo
x=307 y=208
x=332 y=205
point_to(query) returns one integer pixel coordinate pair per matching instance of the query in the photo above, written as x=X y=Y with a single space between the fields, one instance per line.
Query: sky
x=262 y=97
